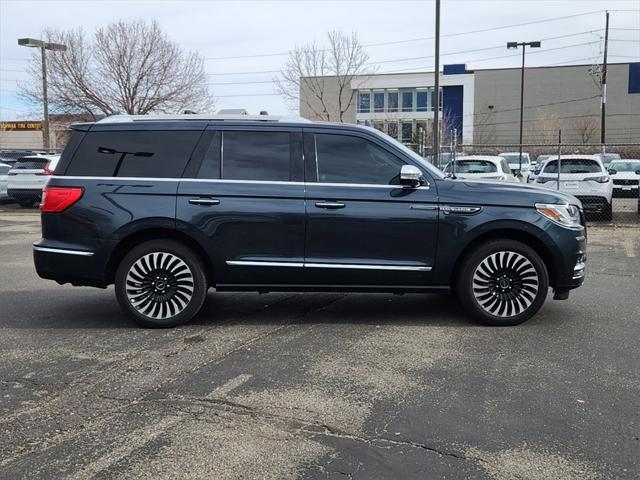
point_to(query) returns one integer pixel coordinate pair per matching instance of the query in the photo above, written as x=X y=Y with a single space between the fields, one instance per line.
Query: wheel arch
x=523 y=236
x=136 y=238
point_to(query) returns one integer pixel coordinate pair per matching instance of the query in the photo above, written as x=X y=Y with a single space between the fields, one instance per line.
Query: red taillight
x=57 y=199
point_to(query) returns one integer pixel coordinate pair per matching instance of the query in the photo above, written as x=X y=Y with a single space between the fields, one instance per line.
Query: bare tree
x=586 y=127
x=125 y=68
x=545 y=128
x=304 y=77
x=484 y=129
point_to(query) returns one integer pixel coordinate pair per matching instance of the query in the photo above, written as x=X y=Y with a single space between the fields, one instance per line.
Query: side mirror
x=411 y=176
x=612 y=171
x=637 y=172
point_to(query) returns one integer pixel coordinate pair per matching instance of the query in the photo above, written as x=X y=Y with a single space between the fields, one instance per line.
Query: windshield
x=472 y=166
x=514 y=158
x=432 y=170
x=573 y=165
x=627 y=166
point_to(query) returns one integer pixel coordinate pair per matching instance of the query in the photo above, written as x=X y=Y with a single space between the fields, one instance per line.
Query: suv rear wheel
x=503 y=282
x=161 y=283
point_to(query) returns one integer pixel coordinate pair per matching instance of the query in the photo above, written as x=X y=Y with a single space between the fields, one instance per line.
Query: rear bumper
x=594 y=203
x=67 y=263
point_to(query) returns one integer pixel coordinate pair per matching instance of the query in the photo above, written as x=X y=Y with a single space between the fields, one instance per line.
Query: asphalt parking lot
x=320 y=385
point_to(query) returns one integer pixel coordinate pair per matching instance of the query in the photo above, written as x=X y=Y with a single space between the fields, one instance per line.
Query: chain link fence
x=606 y=178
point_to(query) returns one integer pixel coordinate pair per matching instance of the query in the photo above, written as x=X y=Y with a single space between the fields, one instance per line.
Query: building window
x=407 y=132
x=392 y=101
x=364 y=102
x=407 y=100
x=379 y=126
x=392 y=129
x=378 y=101
x=422 y=96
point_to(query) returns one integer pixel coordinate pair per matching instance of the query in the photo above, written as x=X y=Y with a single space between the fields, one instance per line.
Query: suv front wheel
x=503 y=282
x=161 y=283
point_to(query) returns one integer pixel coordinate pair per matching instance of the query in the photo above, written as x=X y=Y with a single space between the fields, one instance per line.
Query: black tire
x=502 y=283
x=161 y=283
x=26 y=203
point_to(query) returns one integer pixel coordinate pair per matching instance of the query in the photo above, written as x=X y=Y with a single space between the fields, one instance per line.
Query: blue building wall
x=452 y=98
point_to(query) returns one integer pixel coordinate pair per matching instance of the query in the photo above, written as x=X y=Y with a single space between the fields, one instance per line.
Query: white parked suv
x=584 y=177
x=481 y=167
x=626 y=177
x=513 y=158
x=28 y=177
x=4 y=170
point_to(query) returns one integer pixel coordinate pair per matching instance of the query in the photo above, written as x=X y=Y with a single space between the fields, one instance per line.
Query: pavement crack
x=308 y=428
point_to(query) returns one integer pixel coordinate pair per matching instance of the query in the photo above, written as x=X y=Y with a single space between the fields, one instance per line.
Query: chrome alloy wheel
x=505 y=284
x=159 y=285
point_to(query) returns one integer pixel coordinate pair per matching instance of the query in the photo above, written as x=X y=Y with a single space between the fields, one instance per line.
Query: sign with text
x=21 y=125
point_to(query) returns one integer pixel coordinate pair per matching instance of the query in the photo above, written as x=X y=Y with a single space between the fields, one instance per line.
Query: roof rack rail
x=201 y=117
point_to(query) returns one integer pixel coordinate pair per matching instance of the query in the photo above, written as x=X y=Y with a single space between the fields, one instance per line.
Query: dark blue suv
x=166 y=207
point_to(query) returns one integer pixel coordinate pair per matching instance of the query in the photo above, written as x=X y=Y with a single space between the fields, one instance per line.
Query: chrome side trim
x=216 y=180
x=368 y=267
x=353 y=266
x=63 y=251
x=244 y=263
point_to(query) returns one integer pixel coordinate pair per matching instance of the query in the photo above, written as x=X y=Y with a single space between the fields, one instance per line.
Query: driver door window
x=348 y=159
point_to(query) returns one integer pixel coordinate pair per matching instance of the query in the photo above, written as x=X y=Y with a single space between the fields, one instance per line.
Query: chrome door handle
x=204 y=201
x=332 y=205
x=423 y=207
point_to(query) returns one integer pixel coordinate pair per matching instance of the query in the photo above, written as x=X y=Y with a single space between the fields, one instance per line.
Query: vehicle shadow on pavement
x=98 y=309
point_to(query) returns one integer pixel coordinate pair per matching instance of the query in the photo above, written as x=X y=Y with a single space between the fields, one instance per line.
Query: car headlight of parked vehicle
x=565 y=215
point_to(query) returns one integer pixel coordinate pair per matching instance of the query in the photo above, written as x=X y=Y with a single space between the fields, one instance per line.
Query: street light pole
x=436 y=109
x=43 y=46
x=524 y=47
x=45 y=102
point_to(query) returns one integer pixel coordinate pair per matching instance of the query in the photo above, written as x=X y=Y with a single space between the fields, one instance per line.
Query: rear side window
x=254 y=155
x=144 y=153
x=4 y=169
x=347 y=159
x=573 y=165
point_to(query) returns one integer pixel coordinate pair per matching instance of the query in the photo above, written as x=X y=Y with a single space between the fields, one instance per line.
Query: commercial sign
x=21 y=125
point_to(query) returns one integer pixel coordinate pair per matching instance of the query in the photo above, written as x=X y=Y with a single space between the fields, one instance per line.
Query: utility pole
x=436 y=86
x=603 y=82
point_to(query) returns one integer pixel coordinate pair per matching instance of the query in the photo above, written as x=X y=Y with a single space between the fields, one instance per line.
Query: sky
x=245 y=43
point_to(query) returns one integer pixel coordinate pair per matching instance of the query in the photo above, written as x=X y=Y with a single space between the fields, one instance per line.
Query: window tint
x=256 y=155
x=346 y=159
x=148 y=153
x=210 y=167
x=573 y=165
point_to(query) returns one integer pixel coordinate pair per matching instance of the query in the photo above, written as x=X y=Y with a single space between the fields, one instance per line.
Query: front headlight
x=565 y=215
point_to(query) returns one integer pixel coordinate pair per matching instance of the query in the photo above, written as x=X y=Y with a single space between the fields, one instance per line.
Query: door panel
x=252 y=229
x=364 y=228
x=382 y=235
x=245 y=224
